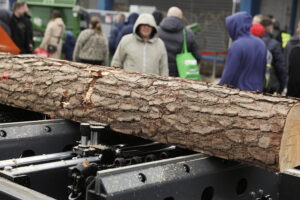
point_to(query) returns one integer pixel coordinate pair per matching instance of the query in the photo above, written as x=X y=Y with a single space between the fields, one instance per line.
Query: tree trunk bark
x=212 y=119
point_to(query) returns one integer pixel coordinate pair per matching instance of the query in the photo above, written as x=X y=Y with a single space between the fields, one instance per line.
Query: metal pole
x=234 y=2
x=213 y=74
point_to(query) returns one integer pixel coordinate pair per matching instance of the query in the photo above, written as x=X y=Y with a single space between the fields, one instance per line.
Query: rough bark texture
x=211 y=119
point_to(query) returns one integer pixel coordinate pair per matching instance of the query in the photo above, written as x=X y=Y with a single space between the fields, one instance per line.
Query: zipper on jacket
x=144 y=58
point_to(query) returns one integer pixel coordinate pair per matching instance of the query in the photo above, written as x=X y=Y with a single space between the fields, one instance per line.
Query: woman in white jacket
x=52 y=40
x=142 y=51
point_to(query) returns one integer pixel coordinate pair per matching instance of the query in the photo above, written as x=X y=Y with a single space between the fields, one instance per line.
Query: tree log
x=216 y=120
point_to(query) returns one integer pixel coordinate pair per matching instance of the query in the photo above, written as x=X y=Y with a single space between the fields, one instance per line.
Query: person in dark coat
x=69 y=45
x=127 y=28
x=158 y=16
x=292 y=52
x=278 y=61
x=293 y=87
x=29 y=29
x=5 y=16
x=115 y=32
x=245 y=65
x=280 y=35
x=19 y=28
x=170 y=31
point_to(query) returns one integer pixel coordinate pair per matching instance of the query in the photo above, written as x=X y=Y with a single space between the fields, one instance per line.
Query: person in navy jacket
x=127 y=28
x=114 y=33
x=246 y=61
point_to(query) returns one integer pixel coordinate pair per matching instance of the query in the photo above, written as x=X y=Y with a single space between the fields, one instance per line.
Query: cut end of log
x=289 y=155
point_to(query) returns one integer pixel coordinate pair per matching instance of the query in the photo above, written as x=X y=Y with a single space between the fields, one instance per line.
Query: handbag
x=186 y=63
x=51 y=48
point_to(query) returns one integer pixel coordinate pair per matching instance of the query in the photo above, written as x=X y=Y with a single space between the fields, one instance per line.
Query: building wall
x=210 y=14
x=93 y=4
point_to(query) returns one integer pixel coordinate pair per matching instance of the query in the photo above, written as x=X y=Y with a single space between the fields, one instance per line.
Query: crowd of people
x=149 y=43
x=261 y=57
x=18 y=26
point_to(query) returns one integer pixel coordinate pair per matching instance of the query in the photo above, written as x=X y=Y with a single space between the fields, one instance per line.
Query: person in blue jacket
x=69 y=45
x=127 y=28
x=114 y=33
x=246 y=61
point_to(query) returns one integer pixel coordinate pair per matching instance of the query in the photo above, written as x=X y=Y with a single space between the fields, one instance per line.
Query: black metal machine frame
x=23 y=139
x=49 y=164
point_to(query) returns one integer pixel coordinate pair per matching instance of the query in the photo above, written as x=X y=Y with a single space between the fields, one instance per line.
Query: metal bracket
x=191 y=177
x=22 y=139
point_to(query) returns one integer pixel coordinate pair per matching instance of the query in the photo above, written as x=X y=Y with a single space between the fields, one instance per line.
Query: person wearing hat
x=258 y=30
x=142 y=51
x=245 y=65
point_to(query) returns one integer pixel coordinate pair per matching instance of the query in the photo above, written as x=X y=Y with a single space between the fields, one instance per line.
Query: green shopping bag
x=187 y=63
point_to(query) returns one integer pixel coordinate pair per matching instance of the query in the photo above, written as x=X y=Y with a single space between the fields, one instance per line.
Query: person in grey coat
x=92 y=46
x=53 y=34
x=142 y=51
x=170 y=31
